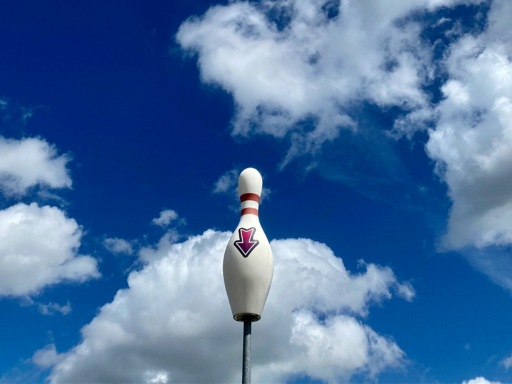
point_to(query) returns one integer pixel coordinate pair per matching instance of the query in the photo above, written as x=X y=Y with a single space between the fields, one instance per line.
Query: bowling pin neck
x=250 y=203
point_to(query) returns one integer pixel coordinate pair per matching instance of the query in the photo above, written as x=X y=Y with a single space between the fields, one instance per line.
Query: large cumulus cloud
x=480 y=380
x=173 y=323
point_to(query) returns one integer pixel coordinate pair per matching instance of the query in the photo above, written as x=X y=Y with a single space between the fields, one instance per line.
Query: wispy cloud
x=299 y=81
x=227 y=184
x=14 y=113
x=166 y=217
x=507 y=362
x=51 y=308
x=118 y=246
x=47 y=309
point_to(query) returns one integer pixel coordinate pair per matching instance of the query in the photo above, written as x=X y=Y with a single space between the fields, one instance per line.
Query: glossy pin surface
x=248 y=262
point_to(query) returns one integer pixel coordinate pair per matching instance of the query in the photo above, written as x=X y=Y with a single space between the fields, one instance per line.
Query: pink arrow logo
x=246 y=242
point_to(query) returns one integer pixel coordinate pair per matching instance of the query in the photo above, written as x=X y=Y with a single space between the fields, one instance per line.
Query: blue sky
x=382 y=130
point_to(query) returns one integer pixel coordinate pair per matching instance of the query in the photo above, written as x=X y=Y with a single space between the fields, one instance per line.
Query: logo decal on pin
x=246 y=242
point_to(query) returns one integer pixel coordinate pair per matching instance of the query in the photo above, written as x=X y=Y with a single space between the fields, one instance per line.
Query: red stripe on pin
x=250 y=196
x=252 y=211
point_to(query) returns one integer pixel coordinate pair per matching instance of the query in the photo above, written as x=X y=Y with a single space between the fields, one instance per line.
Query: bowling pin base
x=252 y=317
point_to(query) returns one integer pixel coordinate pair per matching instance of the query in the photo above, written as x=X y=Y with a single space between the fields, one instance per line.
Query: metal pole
x=246 y=370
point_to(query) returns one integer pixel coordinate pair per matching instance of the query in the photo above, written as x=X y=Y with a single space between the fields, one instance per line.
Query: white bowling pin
x=248 y=262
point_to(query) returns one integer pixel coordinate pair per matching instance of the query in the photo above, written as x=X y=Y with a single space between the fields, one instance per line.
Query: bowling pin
x=248 y=262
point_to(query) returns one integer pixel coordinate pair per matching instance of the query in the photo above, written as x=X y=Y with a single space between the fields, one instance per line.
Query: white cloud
x=47 y=309
x=406 y=291
x=265 y=194
x=51 y=308
x=15 y=113
x=165 y=218
x=28 y=162
x=173 y=323
x=495 y=262
x=302 y=82
x=442 y=20
x=472 y=141
x=117 y=246
x=315 y=68
x=150 y=253
x=227 y=182
x=507 y=362
x=38 y=247
x=47 y=357
x=480 y=380
x=472 y=145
